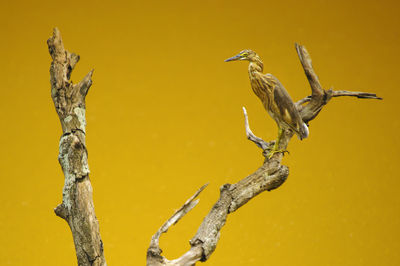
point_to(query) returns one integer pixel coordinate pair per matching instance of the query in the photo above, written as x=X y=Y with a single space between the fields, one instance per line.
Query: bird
x=275 y=99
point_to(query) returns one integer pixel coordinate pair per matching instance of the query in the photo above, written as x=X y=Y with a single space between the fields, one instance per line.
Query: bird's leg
x=275 y=149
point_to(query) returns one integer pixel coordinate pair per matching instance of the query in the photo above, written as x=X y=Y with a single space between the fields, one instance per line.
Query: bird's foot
x=273 y=151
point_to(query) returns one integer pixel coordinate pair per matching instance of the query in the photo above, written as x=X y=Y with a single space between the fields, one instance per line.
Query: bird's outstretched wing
x=283 y=107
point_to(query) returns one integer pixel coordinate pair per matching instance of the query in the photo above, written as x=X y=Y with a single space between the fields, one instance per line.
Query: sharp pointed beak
x=234 y=58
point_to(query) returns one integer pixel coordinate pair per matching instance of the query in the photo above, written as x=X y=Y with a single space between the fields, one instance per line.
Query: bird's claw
x=272 y=152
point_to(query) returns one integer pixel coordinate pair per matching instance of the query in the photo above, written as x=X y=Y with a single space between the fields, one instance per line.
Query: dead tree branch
x=250 y=135
x=154 y=251
x=269 y=176
x=331 y=93
x=77 y=206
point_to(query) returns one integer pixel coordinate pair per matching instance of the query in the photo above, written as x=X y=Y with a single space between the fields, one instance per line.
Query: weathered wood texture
x=268 y=177
x=77 y=206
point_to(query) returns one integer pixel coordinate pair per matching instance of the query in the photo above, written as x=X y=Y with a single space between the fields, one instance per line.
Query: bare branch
x=360 y=95
x=250 y=135
x=306 y=62
x=299 y=103
x=333 y=93
x=77 y=206
x=311 y=110
x=85 y=84
x=189 y=258
x=269 y=176
x=319 y=97
x=188 y=206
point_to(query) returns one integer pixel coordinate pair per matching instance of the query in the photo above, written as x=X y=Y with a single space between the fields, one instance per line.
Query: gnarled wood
x=269 y=176
x=77 y=205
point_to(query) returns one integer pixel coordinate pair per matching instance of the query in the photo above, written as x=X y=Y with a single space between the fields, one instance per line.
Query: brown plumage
x=274 y=97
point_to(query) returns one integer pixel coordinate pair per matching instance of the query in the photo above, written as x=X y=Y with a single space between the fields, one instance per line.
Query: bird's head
x=248 y=55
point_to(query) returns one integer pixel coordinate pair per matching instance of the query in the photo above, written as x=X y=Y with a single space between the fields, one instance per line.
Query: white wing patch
x=306 y=131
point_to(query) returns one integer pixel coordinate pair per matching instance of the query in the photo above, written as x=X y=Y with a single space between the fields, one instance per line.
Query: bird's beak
x=234 y=58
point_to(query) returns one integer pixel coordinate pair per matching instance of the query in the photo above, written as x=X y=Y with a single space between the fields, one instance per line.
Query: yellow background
x=164 y=117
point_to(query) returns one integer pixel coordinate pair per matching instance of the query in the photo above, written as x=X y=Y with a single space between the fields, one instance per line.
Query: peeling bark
x=77 y=206
x=269 y=176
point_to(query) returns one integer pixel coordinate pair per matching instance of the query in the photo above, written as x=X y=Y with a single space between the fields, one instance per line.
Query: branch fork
x=269 y=176
x=77 y=206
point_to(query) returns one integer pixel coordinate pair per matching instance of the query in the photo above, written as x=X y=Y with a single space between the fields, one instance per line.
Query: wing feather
x=283 y=107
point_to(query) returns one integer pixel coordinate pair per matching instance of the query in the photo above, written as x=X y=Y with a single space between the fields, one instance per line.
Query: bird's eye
x=244 y=54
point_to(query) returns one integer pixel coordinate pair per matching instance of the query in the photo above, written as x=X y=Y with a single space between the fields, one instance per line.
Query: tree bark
x=269 y=176
x=77 y=205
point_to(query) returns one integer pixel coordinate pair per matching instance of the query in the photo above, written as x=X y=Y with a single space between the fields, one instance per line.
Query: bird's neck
x=255 y=71
x=255 y=66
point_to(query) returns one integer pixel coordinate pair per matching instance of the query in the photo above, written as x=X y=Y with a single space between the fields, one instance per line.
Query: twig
x=333 y=93
x=250 y=135
x=360 y=95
